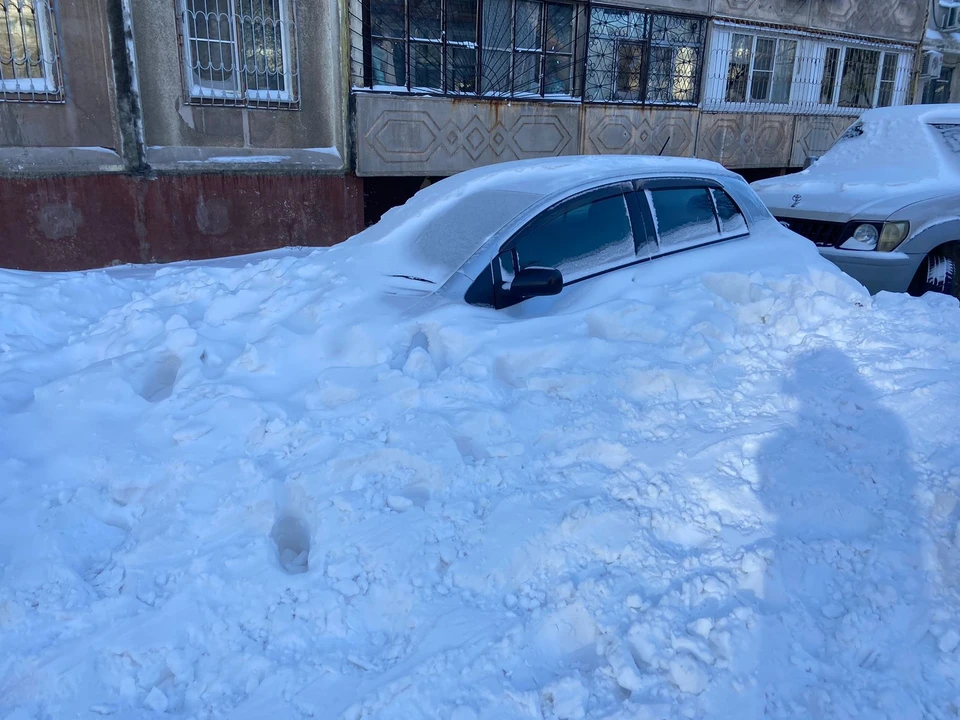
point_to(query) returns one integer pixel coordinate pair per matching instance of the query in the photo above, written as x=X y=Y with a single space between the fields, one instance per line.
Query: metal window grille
x=754 y=70
x=240 y=53
x=29 y=52
x=640 y=57
x=499 y=48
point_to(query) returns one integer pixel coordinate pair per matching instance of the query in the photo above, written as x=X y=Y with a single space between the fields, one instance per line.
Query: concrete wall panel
x=398 y=135
x=625 y=129
x=746 y=141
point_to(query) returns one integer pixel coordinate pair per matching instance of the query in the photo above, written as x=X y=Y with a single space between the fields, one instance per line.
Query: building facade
x=940 y=61
x=154 y=130
x=758 y=85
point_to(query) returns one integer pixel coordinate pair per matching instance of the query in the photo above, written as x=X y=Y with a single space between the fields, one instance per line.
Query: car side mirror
x=810 y=160
x=537 y=282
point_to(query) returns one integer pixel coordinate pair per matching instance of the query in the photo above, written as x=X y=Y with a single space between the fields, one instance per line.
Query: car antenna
x=664 y=145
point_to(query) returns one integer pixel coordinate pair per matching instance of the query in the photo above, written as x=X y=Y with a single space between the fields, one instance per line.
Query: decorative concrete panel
x=403 y=135
x=783 y=12
x=901 y=20
x=746 y=141
x=814 y=136
x=625 y=130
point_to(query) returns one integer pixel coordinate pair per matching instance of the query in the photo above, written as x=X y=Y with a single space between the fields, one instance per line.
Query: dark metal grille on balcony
x=643 y=57
x=494 y=47
x=29 y=55
x=553 y=49
x=241 y=52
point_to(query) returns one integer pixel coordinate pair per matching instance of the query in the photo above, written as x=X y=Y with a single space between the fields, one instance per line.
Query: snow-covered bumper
x=891 y=271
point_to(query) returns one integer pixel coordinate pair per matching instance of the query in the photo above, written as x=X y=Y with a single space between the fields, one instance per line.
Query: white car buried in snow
x=501 y=234
x=884 y=202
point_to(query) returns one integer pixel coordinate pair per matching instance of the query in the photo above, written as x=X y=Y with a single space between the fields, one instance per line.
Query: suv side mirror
x=810 y=160
x=536 y=282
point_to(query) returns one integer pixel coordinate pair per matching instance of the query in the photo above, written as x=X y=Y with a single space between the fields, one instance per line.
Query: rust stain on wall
x=72 y=223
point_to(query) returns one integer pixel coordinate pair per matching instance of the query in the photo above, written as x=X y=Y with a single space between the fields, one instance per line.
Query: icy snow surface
x=249 y=489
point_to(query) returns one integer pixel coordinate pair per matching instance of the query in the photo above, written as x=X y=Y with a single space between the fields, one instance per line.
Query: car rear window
x=951 y=136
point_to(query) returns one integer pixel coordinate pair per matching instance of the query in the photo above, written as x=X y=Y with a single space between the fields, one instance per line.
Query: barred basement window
x=241 y=52
x=515 y=48
x=640 y=57
x=29 y=57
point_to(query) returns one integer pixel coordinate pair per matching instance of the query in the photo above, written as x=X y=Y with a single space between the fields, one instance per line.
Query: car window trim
x=565 y=205
x=687 y=183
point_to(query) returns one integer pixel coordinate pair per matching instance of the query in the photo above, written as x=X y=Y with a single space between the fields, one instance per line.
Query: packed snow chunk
x=399 y=503
x=949 y=641
x=688 y=675
x=567 y=699
x=832 y=611
x=463 y=712
x=156 y=701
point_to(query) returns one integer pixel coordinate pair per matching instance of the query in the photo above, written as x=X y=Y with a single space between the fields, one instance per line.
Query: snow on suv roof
x=443 y=225
x=891 y=147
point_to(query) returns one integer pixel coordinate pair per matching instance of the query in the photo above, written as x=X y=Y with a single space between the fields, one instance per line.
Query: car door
x=583 y=236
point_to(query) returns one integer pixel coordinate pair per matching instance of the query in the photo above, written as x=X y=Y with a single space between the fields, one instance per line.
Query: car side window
x=731 y=219
x=683 y=216
x=582 y=238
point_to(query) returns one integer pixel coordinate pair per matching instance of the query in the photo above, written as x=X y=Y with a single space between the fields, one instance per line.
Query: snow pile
x=247 y=489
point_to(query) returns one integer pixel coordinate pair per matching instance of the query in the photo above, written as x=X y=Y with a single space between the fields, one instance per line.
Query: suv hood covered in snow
x=886 y=160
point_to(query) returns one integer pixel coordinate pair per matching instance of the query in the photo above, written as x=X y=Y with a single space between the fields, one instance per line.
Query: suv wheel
x=939 y=273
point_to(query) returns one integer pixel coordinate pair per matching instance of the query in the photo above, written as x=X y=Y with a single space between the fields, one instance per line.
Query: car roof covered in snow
x=890 y=148
x=435 y=232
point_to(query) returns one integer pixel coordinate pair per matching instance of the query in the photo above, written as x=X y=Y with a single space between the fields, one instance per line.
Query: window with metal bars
x=859 y=77
x=771 y=70
x=240 y=52
x=29 y=55
x=512 y=48
x=640 y=57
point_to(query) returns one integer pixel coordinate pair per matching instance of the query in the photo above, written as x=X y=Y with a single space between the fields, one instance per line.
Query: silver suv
x=884 y=202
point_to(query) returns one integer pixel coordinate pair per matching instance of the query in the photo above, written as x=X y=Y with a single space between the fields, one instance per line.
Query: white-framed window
x=241 y=52
x=760 y=70
x=29 y=61
x=855 y=77
x=950 y=14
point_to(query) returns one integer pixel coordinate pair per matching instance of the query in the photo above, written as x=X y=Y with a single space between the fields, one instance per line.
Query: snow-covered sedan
x=884 y=202
x=501 y=234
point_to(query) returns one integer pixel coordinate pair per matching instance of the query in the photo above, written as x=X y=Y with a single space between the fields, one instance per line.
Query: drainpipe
x=126 y=80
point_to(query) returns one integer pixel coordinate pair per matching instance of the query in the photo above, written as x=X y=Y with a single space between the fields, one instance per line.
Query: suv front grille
x=822 y=233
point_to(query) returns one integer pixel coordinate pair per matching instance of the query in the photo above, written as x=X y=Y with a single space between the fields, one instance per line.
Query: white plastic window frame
x=752 y=69
x=238 y=94
x=808 y=73
x=899 y=86
x=11 y=88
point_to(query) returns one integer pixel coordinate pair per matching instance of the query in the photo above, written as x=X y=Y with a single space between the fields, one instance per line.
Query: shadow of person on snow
x=844 y=603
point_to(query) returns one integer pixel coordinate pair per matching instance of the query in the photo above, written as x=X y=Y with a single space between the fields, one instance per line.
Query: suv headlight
x=893 y=234
x=864 y=238
x=874 y=236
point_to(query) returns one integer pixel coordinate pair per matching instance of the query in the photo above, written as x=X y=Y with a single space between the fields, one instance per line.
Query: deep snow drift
x=241 y=490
